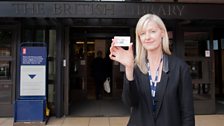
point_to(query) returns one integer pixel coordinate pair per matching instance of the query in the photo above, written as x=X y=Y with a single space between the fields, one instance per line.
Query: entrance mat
x=99 y=108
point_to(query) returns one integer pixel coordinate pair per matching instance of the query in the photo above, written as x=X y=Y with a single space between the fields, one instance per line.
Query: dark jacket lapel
x=163 y=84
x=147 y=90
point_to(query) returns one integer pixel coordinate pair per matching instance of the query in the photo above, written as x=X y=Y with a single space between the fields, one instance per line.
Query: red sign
x=24 y=50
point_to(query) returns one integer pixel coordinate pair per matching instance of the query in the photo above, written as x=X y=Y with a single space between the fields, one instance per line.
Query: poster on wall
x=33 y=71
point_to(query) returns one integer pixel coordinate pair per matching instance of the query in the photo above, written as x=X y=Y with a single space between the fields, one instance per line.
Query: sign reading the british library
x=109 y=10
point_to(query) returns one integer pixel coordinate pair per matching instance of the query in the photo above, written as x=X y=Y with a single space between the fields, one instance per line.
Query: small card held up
x=122 y=40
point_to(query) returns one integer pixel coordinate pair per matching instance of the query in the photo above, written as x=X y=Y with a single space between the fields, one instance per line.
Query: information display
x=33 y=71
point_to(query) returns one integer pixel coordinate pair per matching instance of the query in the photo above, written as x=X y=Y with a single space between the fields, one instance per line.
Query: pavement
x=200 y=120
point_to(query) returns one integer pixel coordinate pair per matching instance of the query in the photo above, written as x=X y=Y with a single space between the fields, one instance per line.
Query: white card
x=122 y=40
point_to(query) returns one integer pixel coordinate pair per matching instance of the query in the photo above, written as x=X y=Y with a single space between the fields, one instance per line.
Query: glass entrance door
x=198 y=55
x=82 y=54
x=84 y=43
x=7 y=70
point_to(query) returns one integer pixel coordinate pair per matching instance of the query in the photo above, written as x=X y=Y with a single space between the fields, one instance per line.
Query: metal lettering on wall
x=87 y=10
x=110 y=10
x=63 y=9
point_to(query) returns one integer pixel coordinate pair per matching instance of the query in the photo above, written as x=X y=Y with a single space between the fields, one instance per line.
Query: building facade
x=75 y=30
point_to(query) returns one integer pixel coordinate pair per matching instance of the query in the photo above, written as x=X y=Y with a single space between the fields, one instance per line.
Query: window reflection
x=195 y=69
x=31 y=35
x=5 y=93
x=202 y=91
x=4 y=70
x=40 y=36
x=27 y=35
x=5 y=43
x=195 y=43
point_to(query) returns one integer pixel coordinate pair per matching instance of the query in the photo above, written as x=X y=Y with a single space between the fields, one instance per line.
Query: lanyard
x=153 y=84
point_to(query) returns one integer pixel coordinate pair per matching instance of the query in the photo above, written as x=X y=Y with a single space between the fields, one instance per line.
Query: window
x=196 y=43
x=5 y=43
x=5 y=70
x=5 y=93
x=5 y=54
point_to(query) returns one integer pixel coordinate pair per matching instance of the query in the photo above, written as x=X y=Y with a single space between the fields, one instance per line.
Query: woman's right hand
x=125 y=57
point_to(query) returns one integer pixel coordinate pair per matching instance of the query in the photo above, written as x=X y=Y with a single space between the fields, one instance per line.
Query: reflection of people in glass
x=99 y=73
x=157 y=85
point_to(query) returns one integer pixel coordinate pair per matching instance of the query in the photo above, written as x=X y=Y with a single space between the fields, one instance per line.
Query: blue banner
x=33 y=56
x=33 y=71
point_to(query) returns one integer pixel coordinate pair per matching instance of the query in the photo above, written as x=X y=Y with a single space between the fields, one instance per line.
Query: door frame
x=66 y=71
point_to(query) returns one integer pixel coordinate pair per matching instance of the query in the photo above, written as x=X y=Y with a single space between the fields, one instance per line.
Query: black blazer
x=173 y=96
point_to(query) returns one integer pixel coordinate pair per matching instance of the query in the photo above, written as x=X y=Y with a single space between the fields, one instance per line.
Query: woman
x=157 y=85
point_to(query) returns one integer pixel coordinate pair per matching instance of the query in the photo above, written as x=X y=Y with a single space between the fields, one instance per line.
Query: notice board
x=33 y=71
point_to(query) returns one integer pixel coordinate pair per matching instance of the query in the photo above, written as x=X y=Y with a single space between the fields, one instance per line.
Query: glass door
x=198 y=55
x=7 y=71
x=77 y=71
x=81 y=81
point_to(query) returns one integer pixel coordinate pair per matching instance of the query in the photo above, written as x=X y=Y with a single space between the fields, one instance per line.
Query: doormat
x=99 y=108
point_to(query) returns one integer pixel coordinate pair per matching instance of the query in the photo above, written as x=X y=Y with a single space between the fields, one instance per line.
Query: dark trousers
x=99 y=88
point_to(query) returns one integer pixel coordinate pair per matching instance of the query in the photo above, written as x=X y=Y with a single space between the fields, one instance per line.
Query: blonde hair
x=141 y=52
